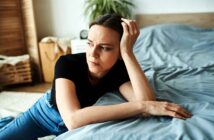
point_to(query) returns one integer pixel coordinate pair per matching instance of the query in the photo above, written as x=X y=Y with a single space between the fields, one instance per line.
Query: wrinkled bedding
x=178 y=61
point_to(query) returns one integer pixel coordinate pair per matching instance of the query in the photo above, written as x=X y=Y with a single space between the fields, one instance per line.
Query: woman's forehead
x=101 y=33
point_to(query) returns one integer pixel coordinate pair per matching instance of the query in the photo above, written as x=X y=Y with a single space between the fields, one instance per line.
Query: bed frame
x=205 y=20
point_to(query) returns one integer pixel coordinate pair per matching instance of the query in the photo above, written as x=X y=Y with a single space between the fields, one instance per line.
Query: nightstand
x=78 y=45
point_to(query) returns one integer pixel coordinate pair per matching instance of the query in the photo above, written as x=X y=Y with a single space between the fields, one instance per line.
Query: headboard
x=205 y=20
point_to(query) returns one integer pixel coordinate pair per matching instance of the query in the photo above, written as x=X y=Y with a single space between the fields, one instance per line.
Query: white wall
x=65 y=18
x=60 y=18
x=173 y=6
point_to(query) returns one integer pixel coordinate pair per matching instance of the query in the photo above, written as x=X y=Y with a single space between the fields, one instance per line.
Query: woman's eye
x=104 y=48
x=90 y=44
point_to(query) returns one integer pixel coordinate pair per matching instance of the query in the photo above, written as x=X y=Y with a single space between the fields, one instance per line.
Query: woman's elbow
x=71 y=126
x=71 y=123
x=74 y=122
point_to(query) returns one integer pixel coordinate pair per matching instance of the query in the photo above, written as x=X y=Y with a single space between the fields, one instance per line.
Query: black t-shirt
x=74 y=67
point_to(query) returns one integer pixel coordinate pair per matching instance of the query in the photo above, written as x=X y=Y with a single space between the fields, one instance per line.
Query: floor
x=41 y=87
x=13 y=103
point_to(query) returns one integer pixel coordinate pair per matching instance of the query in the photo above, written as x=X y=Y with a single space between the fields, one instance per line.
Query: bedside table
x=78 y=45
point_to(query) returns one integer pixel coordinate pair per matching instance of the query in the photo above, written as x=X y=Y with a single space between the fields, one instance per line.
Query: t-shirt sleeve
x=62 y=68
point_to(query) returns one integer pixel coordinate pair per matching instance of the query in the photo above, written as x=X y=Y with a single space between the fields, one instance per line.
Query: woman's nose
x=94 y=52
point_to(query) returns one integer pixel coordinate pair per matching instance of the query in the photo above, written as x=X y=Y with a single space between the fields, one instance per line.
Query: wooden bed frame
x=205 y=20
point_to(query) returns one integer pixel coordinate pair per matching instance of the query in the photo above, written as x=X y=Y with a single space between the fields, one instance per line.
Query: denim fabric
x=5 y=120
x=39 y=121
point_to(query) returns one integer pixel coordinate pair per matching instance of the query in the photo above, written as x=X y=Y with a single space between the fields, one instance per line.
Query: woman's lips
x=94 y=63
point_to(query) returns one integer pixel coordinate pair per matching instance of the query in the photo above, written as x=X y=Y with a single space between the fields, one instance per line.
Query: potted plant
x=95 y=8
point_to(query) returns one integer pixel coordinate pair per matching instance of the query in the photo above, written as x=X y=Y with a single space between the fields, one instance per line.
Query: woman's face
x=103 y=50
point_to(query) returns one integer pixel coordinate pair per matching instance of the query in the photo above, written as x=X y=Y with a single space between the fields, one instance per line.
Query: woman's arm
x=74 y=116
x=138 y=89
x=139 y=84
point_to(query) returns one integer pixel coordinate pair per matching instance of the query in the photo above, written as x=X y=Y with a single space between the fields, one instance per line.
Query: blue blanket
x=178 y=61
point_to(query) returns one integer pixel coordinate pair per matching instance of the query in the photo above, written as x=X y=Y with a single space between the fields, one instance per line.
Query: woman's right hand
x=157 y=108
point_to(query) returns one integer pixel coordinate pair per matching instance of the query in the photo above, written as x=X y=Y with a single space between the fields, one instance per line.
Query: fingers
x=130 y=34
x=177 y=111
x=166 y=109
x=130 y=26
x=125 y=28
x=175 y=115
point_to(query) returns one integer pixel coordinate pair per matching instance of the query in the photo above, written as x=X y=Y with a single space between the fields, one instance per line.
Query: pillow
x=175 y=45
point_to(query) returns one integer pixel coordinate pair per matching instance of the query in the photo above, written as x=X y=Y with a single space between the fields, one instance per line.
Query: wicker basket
x=15 y=70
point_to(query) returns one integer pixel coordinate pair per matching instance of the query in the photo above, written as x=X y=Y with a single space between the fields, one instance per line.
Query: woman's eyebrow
x=90 y=40
x=108 y=44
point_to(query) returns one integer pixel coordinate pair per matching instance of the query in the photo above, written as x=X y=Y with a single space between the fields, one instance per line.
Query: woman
x=109 y=64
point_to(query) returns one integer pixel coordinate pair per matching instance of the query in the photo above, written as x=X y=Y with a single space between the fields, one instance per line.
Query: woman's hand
x=130 y=34
x=156 y=108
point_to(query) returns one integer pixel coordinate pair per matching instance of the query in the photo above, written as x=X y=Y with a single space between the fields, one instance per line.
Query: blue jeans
x=40 y=120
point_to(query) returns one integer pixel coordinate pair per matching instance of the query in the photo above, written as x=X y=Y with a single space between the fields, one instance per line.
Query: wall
x=61 y=18
x=64 y=18
x=173 y=6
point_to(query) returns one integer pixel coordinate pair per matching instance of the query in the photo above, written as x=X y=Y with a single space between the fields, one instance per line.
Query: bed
x=178 y=60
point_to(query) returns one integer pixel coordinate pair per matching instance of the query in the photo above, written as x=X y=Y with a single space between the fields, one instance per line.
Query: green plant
x=95 y=8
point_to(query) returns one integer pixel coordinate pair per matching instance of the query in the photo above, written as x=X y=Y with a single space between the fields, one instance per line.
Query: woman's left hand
x=130 y=34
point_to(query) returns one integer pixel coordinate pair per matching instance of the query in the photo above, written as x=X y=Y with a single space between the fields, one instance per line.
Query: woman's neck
x=94 y=81
x=95 y=78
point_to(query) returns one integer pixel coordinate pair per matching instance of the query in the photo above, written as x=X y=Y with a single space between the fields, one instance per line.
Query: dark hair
x=112 y=21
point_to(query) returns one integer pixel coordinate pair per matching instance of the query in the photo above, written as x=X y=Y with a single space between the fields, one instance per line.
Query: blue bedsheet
x=178 y=61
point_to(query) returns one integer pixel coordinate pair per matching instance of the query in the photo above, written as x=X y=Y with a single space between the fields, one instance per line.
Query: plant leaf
x=96 y=8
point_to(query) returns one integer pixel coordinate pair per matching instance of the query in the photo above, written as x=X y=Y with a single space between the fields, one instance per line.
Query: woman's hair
x=112 y=21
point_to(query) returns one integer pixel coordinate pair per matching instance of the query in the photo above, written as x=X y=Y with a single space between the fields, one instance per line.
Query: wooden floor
x=41 y=88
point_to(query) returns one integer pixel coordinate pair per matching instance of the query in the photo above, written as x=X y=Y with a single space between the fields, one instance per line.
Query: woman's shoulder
x=70 y=64
x=72 y=59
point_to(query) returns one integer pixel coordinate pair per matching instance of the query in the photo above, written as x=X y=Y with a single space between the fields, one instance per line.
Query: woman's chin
x=94 y=70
